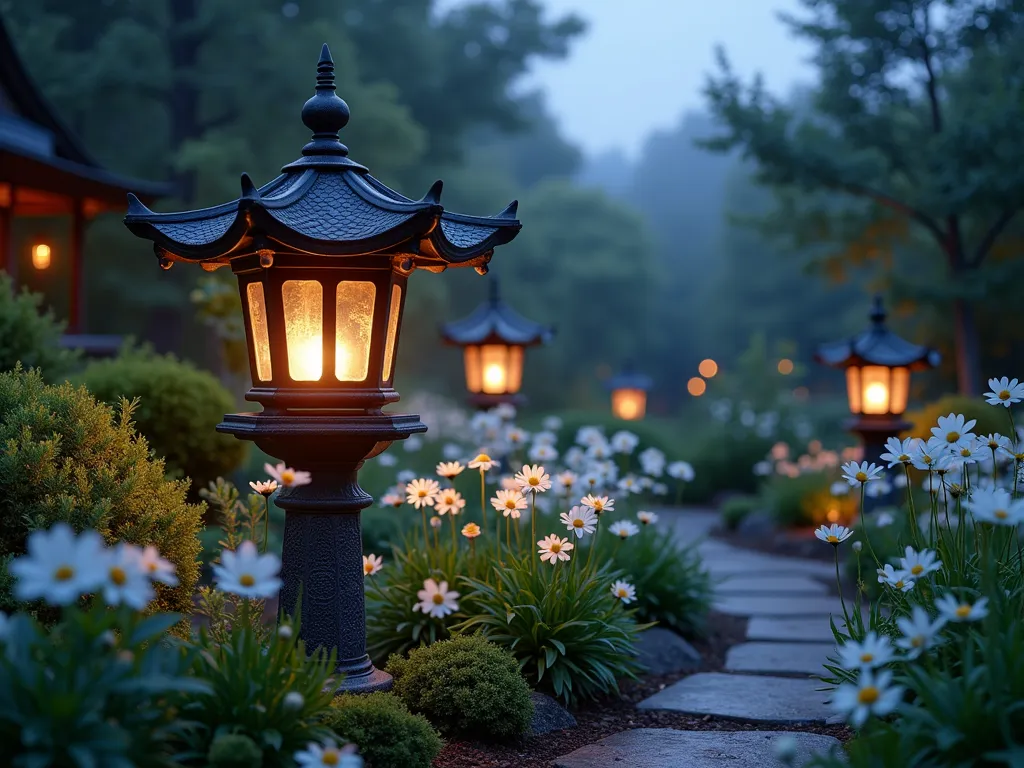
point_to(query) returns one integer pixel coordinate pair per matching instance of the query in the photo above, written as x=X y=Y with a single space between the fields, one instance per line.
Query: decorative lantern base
x=321 y=561
x=484 y=402
x=873 y=431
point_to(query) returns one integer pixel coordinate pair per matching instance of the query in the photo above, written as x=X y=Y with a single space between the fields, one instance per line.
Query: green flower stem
x=455 y=538
x=913 y=510
x=839 y=585
x=426 y=536
x=483 y=499
x=266 y=522
x=508 y=532
x=867 y=538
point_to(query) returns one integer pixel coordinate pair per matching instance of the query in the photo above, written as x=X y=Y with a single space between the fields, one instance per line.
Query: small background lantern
x=494 y=338
x=878 y=364
x=323 y=254
x=629 y=391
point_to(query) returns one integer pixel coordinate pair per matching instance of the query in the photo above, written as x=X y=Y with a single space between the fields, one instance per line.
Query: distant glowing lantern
x=629 y=393
x=696 y=386
x=707 y=368
x=878 y=364
x=785 y=366
x=41 y=256
x=494 y=338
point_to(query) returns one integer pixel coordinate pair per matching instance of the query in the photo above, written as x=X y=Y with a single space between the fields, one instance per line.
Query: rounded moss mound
x=66 y=457
x=387 y=734
x=179 y=407
x=467 y=687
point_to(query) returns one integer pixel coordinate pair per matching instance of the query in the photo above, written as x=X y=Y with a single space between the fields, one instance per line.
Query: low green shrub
x=29 y=336
x=989 y=419
x=467 y=687
x=672 y=587
x=804 y=500
x=234 y=750
x=66 y=457
x=723 y=461
x=179 y=407
x=735 y=509
x=387 y=734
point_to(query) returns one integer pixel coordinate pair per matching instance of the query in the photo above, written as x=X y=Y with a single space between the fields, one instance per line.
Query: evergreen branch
x=992 y=234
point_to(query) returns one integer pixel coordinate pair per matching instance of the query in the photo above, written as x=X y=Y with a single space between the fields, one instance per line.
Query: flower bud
x=285 y=632
x=857 y=546
x=293 y=701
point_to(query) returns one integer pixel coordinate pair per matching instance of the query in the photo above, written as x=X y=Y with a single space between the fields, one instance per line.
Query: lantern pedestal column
x=873 y=431
x=321 y=561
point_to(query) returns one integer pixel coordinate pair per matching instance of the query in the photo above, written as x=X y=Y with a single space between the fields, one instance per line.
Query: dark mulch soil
x=798 y=542
x=599 y=719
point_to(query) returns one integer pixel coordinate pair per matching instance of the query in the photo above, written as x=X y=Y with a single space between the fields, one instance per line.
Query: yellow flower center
x=952 y=437
x=421 y=493
x=867 y=658
x=64 y=573
x=534 y=481
x=622 y=592
x=438 y=598
x=118 y=576
x=917 y=570
x=287 y=477
x=899 y=584
x=963 y=611
x=151 y=567
x=577 y=523
x=1004 y=394
x=1000 y=514
x=331 y=757
x=965 y=452
x=246 y=580
x=833 y=539
x=861 y=477
x=598 y=506
x=904 y=457
x=917 y=641
x=868 y=695
x=555 y=547
x=483 y=458
x=367 y=567
x=624 y=534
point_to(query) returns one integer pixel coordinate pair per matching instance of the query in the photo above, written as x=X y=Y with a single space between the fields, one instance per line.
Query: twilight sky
x=643 y=63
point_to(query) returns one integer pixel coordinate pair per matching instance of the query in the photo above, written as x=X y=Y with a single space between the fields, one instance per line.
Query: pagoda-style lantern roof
x=325 y=204
x=630 y=378
x=495 y=322
x=877 y=346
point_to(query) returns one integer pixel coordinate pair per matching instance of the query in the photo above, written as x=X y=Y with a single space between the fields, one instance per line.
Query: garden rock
x=759 y=698
x=549 y=715
x=663 y=651
x=779 y=658
x=665 y=748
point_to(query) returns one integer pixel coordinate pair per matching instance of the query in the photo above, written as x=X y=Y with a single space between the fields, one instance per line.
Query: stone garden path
x=767 y=679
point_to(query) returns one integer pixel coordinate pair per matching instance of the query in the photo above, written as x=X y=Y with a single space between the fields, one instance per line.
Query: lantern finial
x=878 y=311
x=325 y=113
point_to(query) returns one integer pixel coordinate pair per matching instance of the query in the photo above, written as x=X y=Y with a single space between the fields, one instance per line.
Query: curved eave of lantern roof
x=630 y=380
x=325 y=203
x=495 y=322
x=877 y=346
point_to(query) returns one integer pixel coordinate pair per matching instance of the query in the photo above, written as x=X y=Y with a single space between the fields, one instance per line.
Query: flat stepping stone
x=755 y=698
x=736 y=563
x=665 y=748
x=771 y=585
x=791 y=630
x=786 y=605
x=779 y=658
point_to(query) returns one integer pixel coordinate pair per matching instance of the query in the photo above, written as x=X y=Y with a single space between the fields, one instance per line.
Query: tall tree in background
x=916 y=118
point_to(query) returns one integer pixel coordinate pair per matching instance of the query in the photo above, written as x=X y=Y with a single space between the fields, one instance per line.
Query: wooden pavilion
x=46 y=172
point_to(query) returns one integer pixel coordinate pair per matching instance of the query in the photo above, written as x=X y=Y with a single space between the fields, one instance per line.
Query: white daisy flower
x=449 y=469
x=624 y=529
x=504 y=411
x=516 y=437
x=483 y=462
x=327 y=755
x=471 y=530
x=247 y=573
x=834 y=534
x=996 y=507
x=422 y=492
x=533 y=479
x=579 y=520
x=413 y=443
x=952 y=609
x=264 y=487
x=392 y=500
x=587 y=436
x=954 y=430
x=624 y=442
x=919 y=631
x=624 y=591
x=509 y=503
x=884 y=519
x=552 y=423
x=629 y=484
x=919 y=564
x=448 y=501
x=859 y=474
x=547 y=437
x=451 y=451
x=372 y=564
x=600 y=504
x=59 y=566
x=542 y=452
x=1004 y=392
x=925 y=458
x=876 y=490
x=125 y=581
x=565 y=482
x=436 y=600
x=286 y=476
x=659 y=489
x=160 y=570
x=896 y=579
x=553 y=548
x=680 y=470
x=899 y=452
x=873 y=651
x=870 y=695
x=646 y=518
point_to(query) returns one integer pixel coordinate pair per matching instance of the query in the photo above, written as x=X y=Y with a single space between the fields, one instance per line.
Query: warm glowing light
x=833 y=515
x=629 y=404
x=260 y=332
x=708 y=368
x=494 y=378
x=41 y=256
x=306 y=359
x=876 y=395
x=696 y=386
x=304 y=328
x=785 y=366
